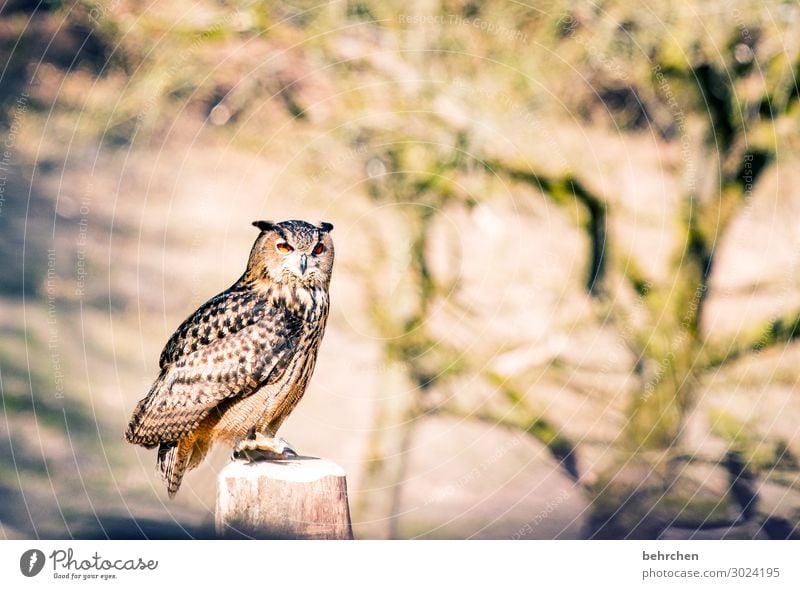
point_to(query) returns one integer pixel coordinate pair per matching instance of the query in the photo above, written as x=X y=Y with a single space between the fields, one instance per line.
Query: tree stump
x=295 y=498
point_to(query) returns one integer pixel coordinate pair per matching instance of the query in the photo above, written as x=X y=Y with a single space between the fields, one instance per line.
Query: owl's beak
x=297 y=264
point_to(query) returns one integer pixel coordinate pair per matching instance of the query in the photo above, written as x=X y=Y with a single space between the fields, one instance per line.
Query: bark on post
x=298 y=498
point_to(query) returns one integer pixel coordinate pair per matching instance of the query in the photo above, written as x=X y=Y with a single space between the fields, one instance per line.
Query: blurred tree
x=446 y=110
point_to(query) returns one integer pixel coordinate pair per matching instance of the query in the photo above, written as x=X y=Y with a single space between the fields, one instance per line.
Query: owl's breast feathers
x=237 y=342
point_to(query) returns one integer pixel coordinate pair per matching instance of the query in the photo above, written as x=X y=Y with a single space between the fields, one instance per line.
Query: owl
x=237 y=367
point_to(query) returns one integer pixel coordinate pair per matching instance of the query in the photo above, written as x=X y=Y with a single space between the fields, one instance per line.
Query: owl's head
x=292 y=251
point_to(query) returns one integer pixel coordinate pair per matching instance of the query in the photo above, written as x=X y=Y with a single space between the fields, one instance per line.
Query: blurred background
x=566 y=294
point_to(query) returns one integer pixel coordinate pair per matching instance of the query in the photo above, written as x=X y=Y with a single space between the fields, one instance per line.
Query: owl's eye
x=283 y=247
x=319 y=249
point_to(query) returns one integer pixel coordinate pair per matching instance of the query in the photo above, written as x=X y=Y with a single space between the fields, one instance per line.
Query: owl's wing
x=226 y=314
x=199 y=376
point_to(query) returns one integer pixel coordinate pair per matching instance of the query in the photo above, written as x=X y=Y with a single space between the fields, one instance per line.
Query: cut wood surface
x=298 y=498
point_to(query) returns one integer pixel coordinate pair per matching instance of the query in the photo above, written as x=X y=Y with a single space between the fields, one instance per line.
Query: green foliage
x=448 y=108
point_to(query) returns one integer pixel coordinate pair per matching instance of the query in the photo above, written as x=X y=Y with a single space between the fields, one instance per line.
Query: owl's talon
x=288 y=449
x=260 y=447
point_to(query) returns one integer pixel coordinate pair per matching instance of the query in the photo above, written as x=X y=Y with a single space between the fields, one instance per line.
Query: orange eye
x=319 y=249
x=283 y=247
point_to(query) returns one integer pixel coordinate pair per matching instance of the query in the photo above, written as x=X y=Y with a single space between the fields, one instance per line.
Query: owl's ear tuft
x=264 y=225
x=326 y=226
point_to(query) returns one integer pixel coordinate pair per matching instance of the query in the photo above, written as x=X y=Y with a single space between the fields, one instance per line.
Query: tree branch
x=540 y=429
x=563 y=191
x=522 y=417
x=781 y=330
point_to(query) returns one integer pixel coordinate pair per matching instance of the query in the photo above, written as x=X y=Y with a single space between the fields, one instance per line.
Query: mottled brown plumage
x=243 y=359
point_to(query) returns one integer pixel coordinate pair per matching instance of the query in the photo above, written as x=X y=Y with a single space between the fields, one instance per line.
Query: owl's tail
x=175 y=459
x=172 y=465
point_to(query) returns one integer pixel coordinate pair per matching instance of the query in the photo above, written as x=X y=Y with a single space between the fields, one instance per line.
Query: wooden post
x=296 y=498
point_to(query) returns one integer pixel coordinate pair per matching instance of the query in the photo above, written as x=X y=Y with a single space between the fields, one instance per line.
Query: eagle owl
x=235 y=369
